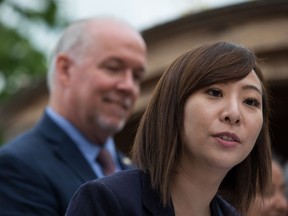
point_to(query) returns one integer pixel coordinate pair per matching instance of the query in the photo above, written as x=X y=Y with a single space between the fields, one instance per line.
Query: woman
x=275 y=203
x=202 y=141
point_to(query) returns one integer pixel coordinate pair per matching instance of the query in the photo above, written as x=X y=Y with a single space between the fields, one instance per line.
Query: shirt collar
x=89 y=150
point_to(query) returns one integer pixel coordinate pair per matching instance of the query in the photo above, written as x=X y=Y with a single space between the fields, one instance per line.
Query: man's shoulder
x=25 y=152
x=33 y=140
x=22 y=143
x=27 y=146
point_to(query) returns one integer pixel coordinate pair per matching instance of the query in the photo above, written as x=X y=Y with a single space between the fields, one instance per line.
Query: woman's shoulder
x=122 y=182
x=118 y=194
x=123 y=189
x=124 y=176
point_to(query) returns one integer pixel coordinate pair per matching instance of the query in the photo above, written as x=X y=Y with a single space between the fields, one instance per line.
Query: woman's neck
x=193 y=193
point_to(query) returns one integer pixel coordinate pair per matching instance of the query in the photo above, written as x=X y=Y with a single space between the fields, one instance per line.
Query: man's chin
x=112 y=126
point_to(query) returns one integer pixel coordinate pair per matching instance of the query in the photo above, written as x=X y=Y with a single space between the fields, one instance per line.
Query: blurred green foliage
x=22 y=63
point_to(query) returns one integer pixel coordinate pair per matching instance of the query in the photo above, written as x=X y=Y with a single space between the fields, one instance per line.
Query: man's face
x=276 y=203
x=104 y=83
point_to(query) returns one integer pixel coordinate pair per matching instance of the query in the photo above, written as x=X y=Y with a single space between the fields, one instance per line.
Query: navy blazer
x=128 y=193
x=40 y=171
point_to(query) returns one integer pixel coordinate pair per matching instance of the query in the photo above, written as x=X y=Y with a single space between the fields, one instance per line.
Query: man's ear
x=63 y=69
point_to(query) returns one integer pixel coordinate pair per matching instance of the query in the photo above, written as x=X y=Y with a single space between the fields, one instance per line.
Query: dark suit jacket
x=128 y=193
x=40 y=171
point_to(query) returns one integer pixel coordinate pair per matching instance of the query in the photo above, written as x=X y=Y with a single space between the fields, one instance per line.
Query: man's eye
x=252 y=102
x=215 y=92
x=138 y=75
x=113 y=68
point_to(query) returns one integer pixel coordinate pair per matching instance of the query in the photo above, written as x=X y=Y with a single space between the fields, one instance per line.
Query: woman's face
x=276 y=204
x=222 y=123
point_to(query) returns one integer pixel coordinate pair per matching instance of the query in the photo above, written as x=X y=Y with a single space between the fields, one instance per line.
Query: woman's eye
x=252 y=102
x=215 y=92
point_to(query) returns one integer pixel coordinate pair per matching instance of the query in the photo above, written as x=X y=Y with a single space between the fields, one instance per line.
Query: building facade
x=260 y=25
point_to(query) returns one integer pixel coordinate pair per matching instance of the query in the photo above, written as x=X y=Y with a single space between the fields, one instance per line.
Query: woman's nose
x=231 y=113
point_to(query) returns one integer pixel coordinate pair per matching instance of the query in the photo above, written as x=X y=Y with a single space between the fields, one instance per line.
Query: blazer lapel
x=65 y=149
x=220 y=207
x=152 y=201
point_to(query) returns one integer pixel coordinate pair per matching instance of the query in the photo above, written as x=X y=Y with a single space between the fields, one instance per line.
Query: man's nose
x=128 y=84
x=281 y=202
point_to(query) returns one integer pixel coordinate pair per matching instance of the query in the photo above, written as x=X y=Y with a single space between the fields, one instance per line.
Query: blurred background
x=29 y=30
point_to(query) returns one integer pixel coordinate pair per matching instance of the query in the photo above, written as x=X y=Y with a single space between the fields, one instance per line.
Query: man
x=276 y=202
x=94 y=81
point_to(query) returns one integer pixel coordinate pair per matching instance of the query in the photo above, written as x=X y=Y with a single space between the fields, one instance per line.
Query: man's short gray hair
x=71 y=41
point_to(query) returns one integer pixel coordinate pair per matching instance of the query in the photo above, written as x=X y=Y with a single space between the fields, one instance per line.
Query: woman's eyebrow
x=252 y=87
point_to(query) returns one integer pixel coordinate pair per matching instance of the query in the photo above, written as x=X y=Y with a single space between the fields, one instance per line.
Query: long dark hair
x=158 y=144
